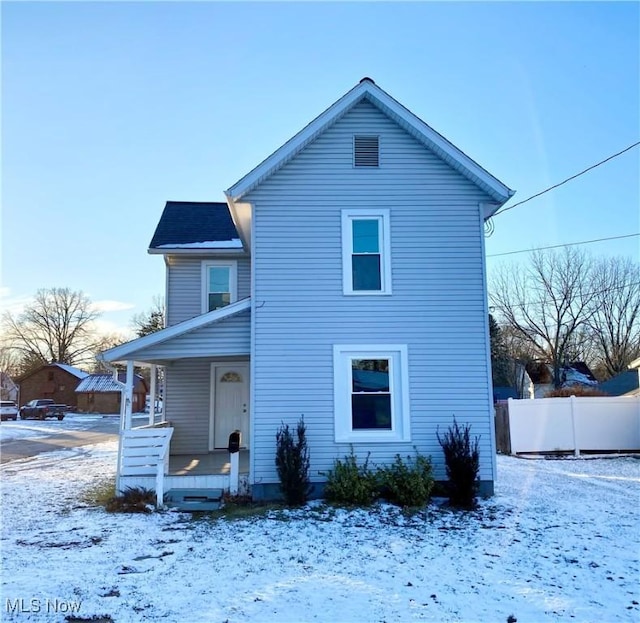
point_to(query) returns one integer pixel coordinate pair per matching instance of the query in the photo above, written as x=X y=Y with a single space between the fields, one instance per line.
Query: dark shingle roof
x=188 y=222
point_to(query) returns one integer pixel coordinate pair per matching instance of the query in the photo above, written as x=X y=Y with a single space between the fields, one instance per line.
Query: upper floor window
x=366 y=254
x=219 y=284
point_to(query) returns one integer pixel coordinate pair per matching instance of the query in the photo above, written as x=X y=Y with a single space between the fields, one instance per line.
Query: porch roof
x=170 y=343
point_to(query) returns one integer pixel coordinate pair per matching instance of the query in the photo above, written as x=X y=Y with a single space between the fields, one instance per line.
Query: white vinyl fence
x=606 y=424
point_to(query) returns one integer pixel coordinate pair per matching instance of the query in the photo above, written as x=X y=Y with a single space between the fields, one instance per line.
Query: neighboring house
x=574 y=373
x=8 y=389
x=55 y=380
x=99 y=393
x=522 y=385
x=626 y=383
x=344 y=281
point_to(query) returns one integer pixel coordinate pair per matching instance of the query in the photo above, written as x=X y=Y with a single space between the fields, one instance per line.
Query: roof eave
x=200 y=251
x=498 y=191
x=124 y=351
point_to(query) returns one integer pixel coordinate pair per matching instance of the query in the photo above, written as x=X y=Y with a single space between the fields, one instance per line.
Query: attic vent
x=365 y=151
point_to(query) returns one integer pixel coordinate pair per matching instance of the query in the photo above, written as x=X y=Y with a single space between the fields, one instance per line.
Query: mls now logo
x=51 y=606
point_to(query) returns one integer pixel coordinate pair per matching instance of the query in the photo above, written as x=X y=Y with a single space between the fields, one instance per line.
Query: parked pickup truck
x=42 y=408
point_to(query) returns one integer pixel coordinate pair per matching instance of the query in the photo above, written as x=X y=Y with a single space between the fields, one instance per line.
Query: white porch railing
x=145 y=452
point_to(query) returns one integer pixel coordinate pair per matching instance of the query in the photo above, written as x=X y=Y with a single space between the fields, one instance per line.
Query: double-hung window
x=219 y=284
x=371 y=393
x=366 y=255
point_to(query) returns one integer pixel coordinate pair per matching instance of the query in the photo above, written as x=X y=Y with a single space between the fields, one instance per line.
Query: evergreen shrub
x=350 y=483
x=292 y=464
x=406 y=484
x=462 y=460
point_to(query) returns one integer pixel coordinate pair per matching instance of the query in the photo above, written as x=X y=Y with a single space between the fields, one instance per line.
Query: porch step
x=194 y=499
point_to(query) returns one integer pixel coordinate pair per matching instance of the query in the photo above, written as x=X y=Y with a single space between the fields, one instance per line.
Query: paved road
x=53 y=435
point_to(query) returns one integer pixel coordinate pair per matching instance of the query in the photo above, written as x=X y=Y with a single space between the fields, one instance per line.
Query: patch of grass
x=236 y=507
x=132 y=500
x=100 y=494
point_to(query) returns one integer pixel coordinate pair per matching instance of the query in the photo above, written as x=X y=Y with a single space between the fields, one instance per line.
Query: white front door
x=229 y=404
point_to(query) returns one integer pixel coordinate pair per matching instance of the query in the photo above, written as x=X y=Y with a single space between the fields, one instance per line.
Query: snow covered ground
x=22 y=429
x=560 y=541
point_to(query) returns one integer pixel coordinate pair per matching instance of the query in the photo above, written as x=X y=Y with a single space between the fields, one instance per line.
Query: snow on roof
x=103 y=383
x=236 y=243
x=81 y=374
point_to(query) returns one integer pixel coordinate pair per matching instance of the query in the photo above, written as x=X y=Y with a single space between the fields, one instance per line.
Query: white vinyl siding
x=229 y=336
x=187 y=398
x=436 y=309
x=184 y=285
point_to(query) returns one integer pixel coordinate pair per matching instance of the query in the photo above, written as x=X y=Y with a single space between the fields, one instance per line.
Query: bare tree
x=151 y=320
x=9 y=361
x=547 y=303
x=57 y=326
x=615 y=322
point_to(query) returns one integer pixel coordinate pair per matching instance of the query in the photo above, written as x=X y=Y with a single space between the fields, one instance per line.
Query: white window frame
x=382 y=215
x=233 y=280
x=398 y=358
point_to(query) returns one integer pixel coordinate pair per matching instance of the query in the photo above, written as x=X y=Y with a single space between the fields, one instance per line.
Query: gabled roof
x=80 y=374
x=368 y=90
x=125 y=351
x=105 y=383
x=195 y=225
x=71 y=370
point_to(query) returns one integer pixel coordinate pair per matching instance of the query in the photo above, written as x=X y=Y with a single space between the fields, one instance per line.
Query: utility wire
x=552 y=301
x=573 y=177
x=567 y=244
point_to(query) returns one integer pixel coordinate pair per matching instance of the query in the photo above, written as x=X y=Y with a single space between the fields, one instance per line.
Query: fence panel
x=574 y=424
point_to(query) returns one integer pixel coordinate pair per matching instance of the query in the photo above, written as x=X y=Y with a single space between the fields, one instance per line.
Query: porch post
x=152 y=395
x=128 y=397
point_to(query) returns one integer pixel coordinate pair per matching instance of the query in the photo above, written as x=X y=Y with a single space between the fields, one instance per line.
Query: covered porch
x=202 y=366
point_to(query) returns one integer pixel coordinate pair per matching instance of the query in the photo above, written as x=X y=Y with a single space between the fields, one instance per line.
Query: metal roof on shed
x=189 y=223
x=103 y=383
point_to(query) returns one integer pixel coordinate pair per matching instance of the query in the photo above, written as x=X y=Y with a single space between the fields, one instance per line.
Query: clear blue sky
x=111 y=109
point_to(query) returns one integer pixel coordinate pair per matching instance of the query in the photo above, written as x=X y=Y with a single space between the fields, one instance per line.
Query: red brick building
x=55 y=380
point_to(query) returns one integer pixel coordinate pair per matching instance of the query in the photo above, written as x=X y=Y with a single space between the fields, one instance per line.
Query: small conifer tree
x=292 y=464
x=462 y=460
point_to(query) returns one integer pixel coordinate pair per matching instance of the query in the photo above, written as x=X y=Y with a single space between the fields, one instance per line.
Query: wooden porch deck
x=212 y=463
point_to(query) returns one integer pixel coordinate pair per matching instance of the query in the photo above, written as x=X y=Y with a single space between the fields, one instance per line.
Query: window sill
x=372 y=437
x=367 y=293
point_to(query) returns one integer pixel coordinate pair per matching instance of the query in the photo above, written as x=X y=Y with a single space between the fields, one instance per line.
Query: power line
x=573 y=177
x=552 y=301
x=567 y=244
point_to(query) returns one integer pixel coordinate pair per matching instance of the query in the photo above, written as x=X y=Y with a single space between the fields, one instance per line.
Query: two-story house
x=343 y=280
